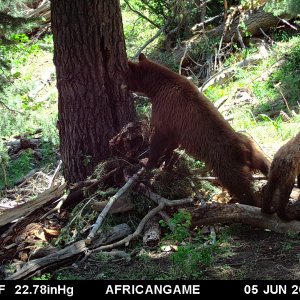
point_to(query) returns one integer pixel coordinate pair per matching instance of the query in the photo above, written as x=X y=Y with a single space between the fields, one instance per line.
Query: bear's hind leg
x=285 y=192
x=268 y=196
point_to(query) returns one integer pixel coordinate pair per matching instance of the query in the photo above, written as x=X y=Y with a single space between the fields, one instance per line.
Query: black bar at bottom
x=96 y=288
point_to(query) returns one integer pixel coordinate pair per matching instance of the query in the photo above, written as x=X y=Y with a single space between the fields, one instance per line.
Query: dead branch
x=134 y=235
x=25 y=209
x=51 y=183
x=162 y=203
x=20 y=182
x=214 y=213
x=198 y=194
x=77 y=190
x=68 y=254
x=224 y=74
x=159 y=199
x=58 y=206
x=42 y=11
x=253 y=20
x=111 y=201
x=167 y=219
x=10 y=109
x=140 y=14
x=212 y=178
x=120 y=206
x=162 y=29
x=199 y=26
x=239 y=37
x=287 y=23
x=182 y=59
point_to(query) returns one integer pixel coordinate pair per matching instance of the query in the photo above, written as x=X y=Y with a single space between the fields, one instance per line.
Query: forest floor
x=251 y=254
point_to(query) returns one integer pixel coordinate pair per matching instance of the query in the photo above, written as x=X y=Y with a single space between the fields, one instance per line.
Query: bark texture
x=90 y=58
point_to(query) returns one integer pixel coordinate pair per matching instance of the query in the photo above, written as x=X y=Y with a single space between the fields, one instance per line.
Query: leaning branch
x=140 y=14
x=110 y=203
x=150 y=41
x=163 y=202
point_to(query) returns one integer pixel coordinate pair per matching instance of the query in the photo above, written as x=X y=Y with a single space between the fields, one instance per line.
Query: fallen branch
x=134 y=235
x=168 y=221
x=20 y=182
x=163 y=202
x=212 y=178
x=58 y=206
x=111 y=201
x=159 y=199
x=120 y=206
x=214 y=213
x=253 y=20
x=25 y=209
x=200 y=26
x=68 y=254
x=51 y=183
x=77 y=190
x=224 y=74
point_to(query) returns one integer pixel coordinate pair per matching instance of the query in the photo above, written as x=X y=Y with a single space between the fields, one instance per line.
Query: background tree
x=280 y=7
x=89 y=55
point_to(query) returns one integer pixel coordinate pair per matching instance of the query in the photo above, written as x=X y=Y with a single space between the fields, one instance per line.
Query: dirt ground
x=254 y=254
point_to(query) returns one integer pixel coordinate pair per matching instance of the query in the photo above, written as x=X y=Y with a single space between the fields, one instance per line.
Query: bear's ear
x=142 y=56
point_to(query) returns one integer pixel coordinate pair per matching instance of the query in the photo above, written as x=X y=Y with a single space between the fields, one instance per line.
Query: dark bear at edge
x=284 y=169
x=182 y=116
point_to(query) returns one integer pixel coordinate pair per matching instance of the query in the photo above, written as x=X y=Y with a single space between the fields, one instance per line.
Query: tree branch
x=141 y=15
x=111 y=201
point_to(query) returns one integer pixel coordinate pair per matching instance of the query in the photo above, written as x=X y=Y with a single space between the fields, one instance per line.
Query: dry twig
x=110 y=203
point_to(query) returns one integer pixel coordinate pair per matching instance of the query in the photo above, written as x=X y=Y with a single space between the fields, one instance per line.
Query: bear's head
x=137 y=78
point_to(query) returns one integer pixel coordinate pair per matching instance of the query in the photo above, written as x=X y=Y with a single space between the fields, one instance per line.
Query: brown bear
x=181 y=115
x=285 y=168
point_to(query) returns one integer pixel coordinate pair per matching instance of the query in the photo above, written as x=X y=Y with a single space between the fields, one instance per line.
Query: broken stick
x=111 y=201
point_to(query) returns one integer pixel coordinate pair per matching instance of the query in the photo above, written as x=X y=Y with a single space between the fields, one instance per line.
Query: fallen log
x=214 y=213
x=23 y=210
x=68 y=254
x=252 y=20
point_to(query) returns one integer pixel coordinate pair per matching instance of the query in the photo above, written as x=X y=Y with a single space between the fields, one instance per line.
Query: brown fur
x=285 y=168
x=181 y=115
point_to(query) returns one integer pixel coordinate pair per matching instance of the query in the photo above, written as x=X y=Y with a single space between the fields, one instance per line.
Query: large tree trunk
x=90 y=58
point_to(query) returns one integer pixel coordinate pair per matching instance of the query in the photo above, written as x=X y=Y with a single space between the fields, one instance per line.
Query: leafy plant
x=181 y=222
x=277 y=123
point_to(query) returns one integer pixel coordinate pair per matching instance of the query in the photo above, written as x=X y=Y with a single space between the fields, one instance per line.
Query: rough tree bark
x=90 y=58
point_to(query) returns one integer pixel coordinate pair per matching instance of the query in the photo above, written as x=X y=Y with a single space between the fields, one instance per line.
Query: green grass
x=271 y=91
x=14 y=169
